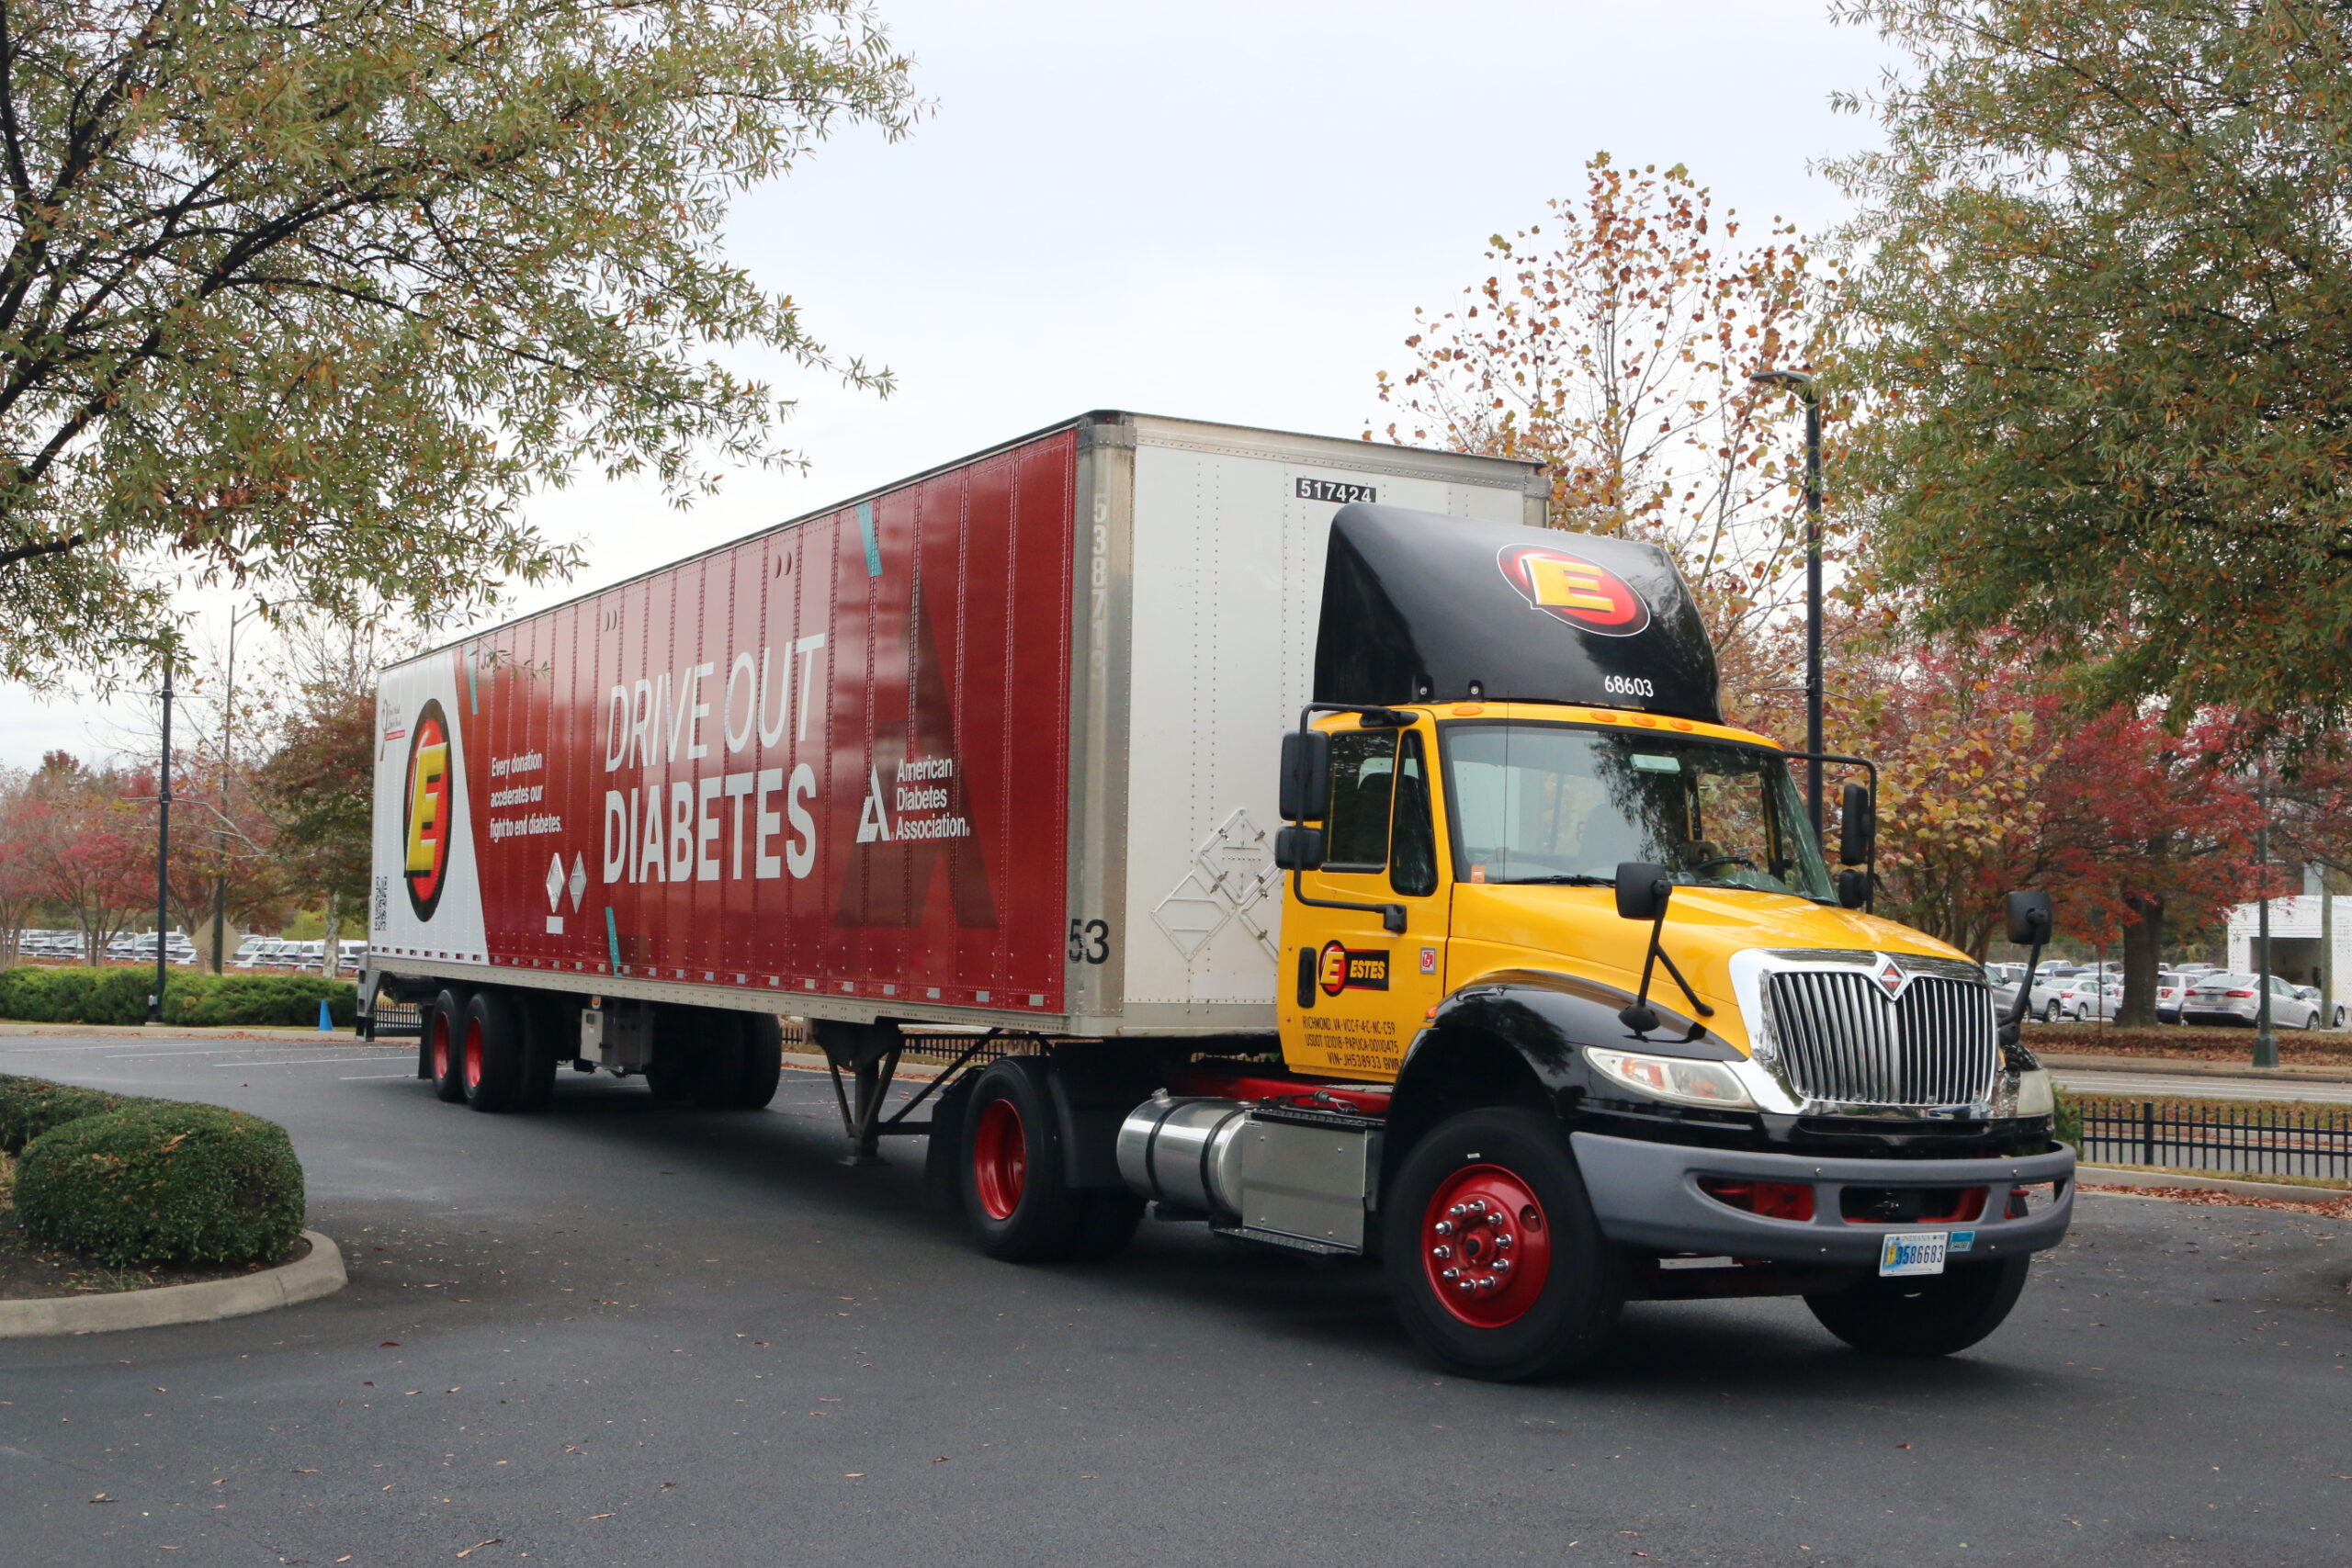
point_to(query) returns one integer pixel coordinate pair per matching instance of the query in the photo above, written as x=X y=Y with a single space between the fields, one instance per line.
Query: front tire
x=1926 y=1316
x=1494 y=1259
x=2050 y=1013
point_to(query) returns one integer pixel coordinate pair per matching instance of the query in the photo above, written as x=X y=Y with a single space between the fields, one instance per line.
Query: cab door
x=1352 y=992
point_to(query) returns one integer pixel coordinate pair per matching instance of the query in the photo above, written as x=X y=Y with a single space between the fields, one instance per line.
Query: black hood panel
x=1422 y=607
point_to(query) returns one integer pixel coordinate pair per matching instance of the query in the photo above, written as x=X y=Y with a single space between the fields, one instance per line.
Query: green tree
x=304 y=295
x=2109 y=293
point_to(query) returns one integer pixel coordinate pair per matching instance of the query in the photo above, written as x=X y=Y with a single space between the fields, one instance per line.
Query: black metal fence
x=2299 y=1140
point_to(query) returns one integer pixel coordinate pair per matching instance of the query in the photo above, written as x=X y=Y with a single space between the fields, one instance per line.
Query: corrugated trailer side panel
x=830 y=759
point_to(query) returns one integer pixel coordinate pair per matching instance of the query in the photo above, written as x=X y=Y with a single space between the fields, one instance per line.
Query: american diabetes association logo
x=1589 y=597
x=426 y=811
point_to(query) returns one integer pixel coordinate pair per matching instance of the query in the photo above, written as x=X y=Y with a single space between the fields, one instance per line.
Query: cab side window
x=1364 y=774
x=1412 y=849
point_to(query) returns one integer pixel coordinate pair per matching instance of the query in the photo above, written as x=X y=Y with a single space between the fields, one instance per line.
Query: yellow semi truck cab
x=1586 y=1010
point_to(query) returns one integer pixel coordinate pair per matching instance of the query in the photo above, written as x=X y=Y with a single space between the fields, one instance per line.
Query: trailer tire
x=546 y=1041
x=1015 y=1173
x=714 y=1074
x=1563 y=1283
x=492 y=1069
x=763 y=1065
x=445 y=1025
x=1923 y=1316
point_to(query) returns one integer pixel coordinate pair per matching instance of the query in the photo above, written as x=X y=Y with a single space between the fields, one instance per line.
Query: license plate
x=1914 y=1252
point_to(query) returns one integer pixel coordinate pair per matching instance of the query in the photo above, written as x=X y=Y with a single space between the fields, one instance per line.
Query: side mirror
x=1853 y=887
x=1856 y=827
x=1298 y=849
x=1643 y=889
x=2029 y=921
x=1307 y=776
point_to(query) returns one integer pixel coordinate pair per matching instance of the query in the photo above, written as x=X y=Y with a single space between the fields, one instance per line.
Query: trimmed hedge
x=2067 y=1119
x=39 y=995
x=164 y=1182
x=29 y=1107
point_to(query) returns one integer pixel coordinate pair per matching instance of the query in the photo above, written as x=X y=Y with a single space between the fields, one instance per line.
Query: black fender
x=1517 y=1038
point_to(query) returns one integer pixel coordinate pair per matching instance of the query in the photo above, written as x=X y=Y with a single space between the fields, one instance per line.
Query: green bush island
x=163 y=1182
x=2068 y=1119
x=29 y=1107
x=39 y=994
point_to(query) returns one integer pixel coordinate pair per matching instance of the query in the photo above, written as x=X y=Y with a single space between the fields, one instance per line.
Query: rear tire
x=492 y=1048
x=763 y=1065
x=1926 y=1316
x=717 y=1073
x=1015 y=1173
x=1527 y=1219
x=546 y=1041
x=445 y=1028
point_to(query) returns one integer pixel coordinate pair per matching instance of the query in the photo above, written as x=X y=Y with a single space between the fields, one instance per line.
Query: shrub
x=29 y=1107
x=2067 y=1120
x=119 y=996
x=164 y=1182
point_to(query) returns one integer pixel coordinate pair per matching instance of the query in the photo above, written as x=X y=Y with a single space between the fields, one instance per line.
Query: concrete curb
x=2095 y=1176
x=2189 y=1068
x=320 y=1273
x=338 y=1036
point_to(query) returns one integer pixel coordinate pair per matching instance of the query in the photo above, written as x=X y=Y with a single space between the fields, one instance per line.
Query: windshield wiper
x=1565 y=879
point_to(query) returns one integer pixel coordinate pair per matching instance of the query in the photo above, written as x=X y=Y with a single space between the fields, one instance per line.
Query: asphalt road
x=613 y=1335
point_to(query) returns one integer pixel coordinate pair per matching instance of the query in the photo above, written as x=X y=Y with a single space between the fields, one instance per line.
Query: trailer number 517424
x=1089 y=942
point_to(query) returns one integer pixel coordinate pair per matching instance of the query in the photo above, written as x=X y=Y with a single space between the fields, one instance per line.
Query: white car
x=2003 y=982
x=2231 y=998
x=2089 y=997
x=2170 y=988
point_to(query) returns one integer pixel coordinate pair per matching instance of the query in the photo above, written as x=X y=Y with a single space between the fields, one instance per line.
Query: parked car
x=2089 y=997
x=2042 y=1005
x=2232 y=998
x=2171 y=987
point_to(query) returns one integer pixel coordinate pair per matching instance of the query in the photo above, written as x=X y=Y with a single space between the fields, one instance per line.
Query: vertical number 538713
x=1089 y=942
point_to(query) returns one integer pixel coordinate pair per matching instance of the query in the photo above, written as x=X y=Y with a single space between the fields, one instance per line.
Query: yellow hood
x=1577 y=930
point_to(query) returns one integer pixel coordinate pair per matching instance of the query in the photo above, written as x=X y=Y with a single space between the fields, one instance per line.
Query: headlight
x=1674 y=1078
x=2034 y=1097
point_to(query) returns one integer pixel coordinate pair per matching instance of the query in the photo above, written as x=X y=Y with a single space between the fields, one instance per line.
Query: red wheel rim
x=440 y=1044
x=473 y=1053
x=1486 y=1246
x=999 y=1159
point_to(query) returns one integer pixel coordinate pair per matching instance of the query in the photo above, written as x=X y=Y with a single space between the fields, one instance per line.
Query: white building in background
x=2295 y=937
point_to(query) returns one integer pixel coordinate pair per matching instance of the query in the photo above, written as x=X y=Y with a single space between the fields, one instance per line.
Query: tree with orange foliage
x=1616 y=351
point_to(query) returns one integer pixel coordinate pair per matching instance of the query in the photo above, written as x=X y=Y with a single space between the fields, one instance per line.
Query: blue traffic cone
x=326 y=1019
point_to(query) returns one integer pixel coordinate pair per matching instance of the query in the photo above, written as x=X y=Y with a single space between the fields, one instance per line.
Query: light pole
x=2266 y=1041
x=163 y=842
x=228 y=770
x=1802 y=384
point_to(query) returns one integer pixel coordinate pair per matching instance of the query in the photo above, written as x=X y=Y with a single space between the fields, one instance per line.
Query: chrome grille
x=1841 y=1040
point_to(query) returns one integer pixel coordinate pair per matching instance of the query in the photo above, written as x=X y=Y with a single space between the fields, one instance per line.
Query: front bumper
x=1646 y=1195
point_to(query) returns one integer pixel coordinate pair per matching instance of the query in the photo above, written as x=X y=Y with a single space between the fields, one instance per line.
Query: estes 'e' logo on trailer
x=426 y=811
x=1589 y=597
x=1341 y=968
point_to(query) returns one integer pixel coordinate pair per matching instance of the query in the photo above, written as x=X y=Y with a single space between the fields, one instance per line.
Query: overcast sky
x=1211 y=209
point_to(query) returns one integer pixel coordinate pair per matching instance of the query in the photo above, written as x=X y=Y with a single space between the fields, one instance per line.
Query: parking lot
x=621 y=1334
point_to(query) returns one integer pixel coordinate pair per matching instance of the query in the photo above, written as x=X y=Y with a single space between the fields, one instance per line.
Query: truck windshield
x=1555 y=802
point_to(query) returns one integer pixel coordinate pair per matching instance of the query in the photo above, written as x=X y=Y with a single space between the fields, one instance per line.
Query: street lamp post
x=2266 y=1041
x=1802 y=384
x=162 y=844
